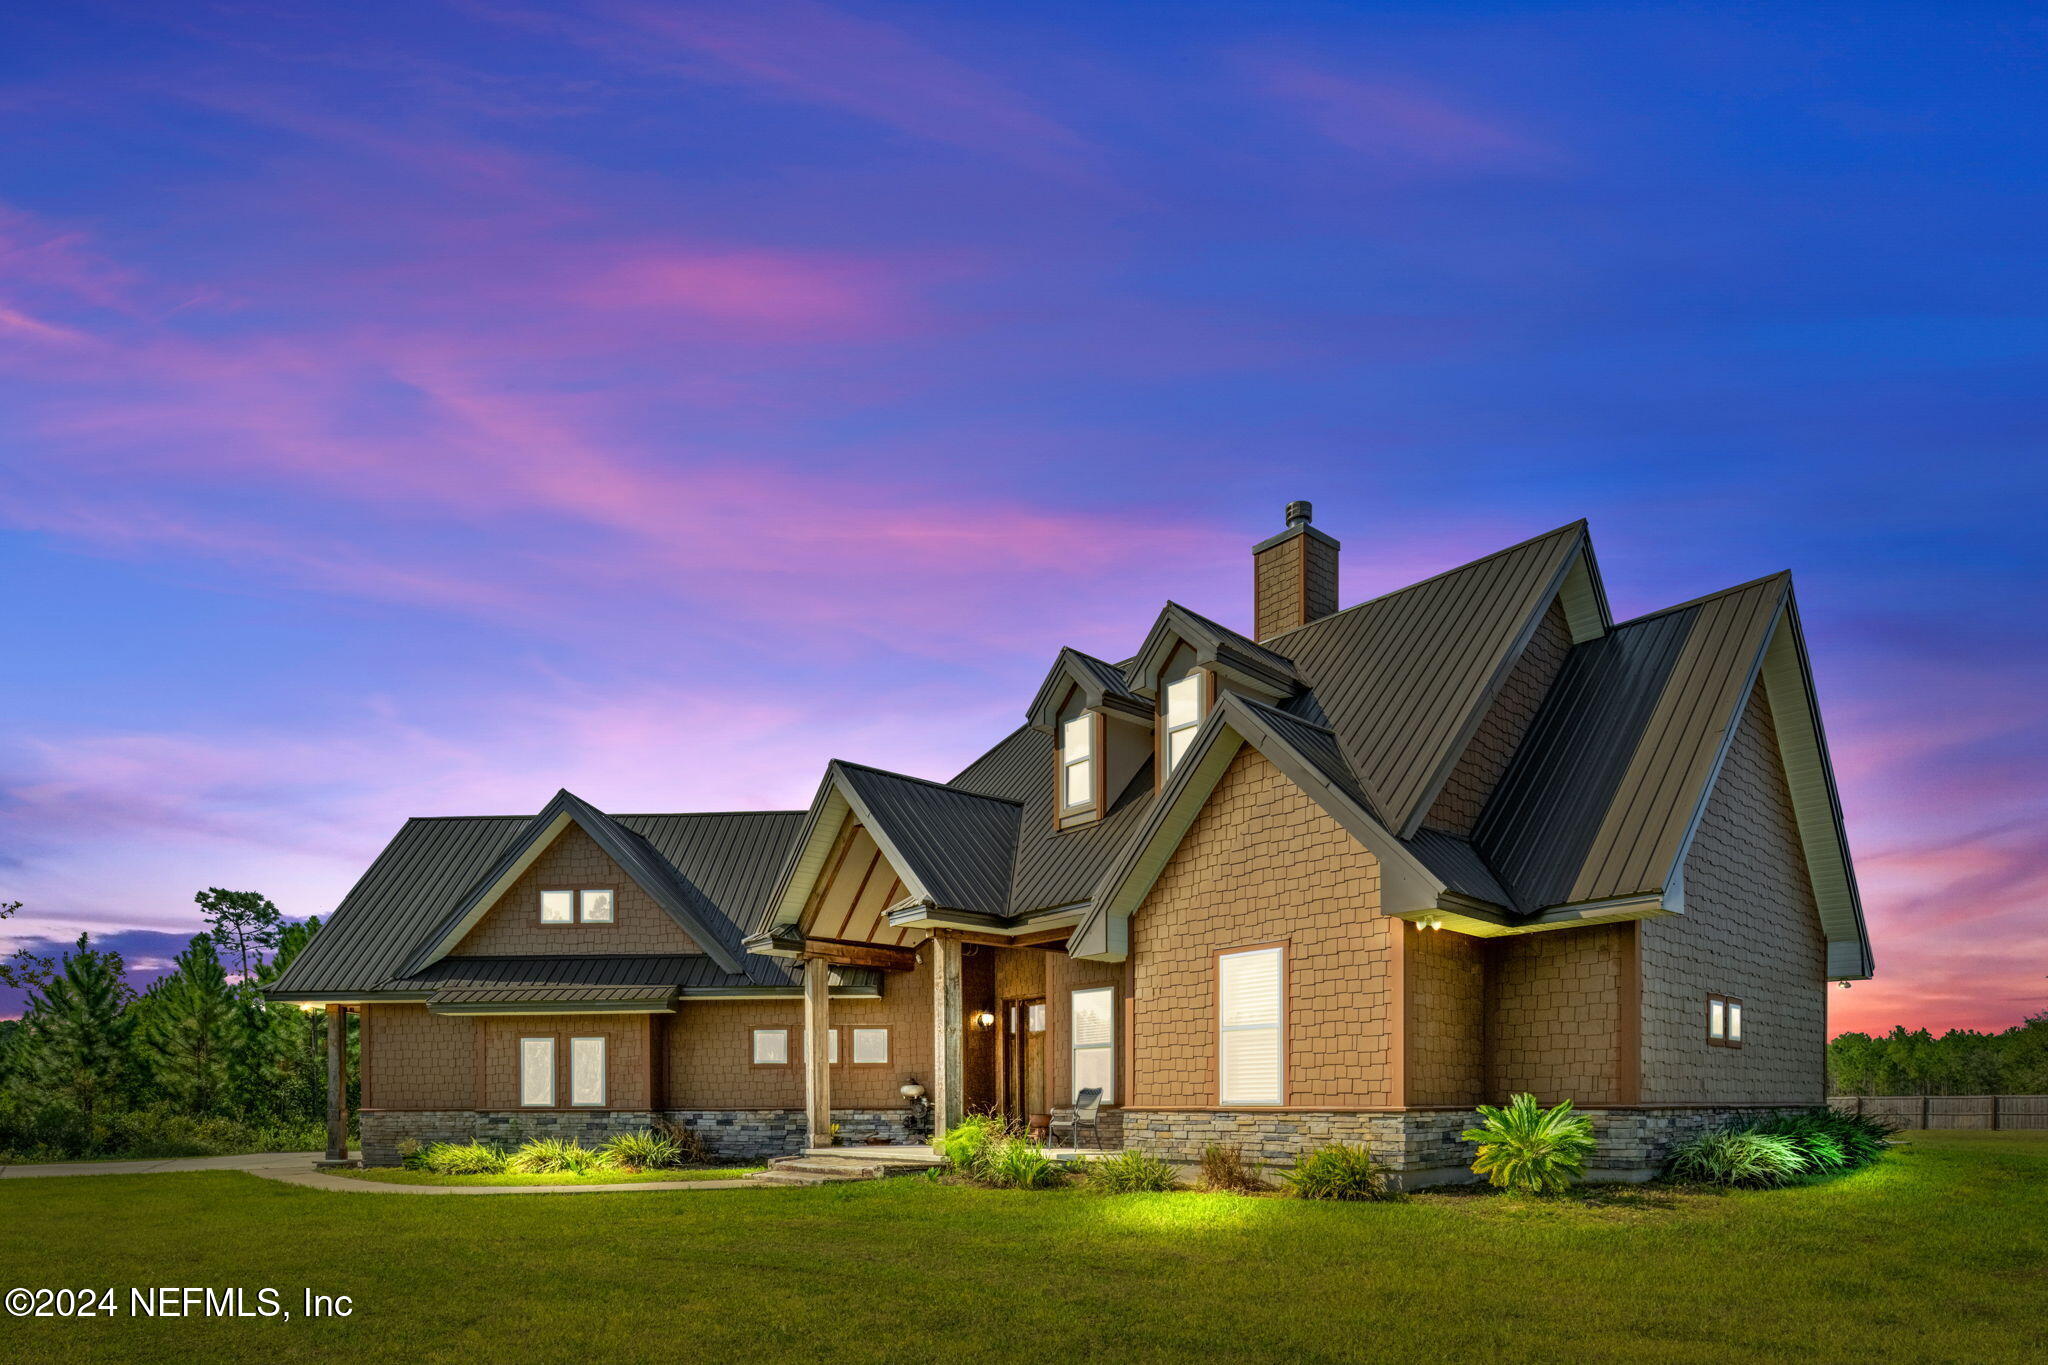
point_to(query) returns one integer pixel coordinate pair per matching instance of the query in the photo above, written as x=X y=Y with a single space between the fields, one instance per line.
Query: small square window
x=870 y=1046
x=558 y=907
x=597 y=906
x=771 y=1047
x=1724 y=1021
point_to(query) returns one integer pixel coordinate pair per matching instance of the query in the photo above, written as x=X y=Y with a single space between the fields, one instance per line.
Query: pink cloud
x=1400 y=120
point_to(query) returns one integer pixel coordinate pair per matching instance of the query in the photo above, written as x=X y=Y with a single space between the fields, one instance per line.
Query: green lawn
x=393 y=1175
x=1939 y=1254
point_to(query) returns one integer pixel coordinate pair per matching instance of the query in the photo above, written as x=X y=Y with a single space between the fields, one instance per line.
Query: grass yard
x=1939 y=1254
x=395 y=1175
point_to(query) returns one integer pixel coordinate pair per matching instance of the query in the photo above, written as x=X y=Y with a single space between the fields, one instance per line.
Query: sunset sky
x=410 y=409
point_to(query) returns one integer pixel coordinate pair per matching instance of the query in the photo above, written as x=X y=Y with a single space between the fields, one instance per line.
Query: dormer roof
x=1237 y=658
x=1101 y=684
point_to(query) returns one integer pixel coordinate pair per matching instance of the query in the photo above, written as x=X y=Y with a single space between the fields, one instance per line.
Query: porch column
x=337 y=1083
x=949 y=1066
x=817 y=1064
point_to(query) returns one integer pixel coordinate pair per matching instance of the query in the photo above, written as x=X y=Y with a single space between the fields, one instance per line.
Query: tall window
x=1183 y=715
x=1250 y=1069
x=536 y=1071
x=1077 y=762
x=1094 y=1039
x=1724 y=1021
x=586 y=1072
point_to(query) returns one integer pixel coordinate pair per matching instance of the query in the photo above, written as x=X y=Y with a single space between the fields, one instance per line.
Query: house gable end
x=573 y=861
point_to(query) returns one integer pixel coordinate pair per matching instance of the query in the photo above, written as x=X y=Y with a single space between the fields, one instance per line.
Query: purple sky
x=414 y=408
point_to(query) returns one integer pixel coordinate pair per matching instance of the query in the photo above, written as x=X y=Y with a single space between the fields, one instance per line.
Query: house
x=1340 y=878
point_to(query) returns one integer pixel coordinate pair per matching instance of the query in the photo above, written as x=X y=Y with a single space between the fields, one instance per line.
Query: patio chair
x=1087 y=1110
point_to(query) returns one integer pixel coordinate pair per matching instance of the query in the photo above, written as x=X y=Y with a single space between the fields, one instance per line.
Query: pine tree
x=76 y=1035
x=243 y=924
x=195 y=1033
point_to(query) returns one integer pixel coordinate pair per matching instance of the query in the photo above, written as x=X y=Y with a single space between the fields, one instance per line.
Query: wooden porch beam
x=949 y=1053
x=817 y=1059
x=337 y=1083
x=1038 y=938
x=850 y=954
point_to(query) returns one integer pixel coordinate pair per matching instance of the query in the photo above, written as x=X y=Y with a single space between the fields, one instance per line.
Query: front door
x=1024 y=1089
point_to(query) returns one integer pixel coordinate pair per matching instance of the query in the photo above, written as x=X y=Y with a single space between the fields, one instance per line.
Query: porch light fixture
x=911 y=1091
x=984 y=1019
x=1430 y=922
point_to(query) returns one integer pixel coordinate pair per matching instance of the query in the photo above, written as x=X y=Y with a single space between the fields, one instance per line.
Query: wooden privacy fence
x=1952 y=1111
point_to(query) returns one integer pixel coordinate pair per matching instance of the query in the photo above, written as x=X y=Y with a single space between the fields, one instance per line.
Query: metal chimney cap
x=1300 y=513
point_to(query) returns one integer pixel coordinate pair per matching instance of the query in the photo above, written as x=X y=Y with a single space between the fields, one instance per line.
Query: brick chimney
x=1294 y=575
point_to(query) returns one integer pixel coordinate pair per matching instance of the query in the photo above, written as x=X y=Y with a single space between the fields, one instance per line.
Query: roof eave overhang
x=665 y=1005
x=1477 y=919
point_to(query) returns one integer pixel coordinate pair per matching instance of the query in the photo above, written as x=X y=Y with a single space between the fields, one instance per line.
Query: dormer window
x=1183 y=715
x=1077 y=763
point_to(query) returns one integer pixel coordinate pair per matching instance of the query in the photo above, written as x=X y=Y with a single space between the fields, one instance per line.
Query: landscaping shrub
x=1523 y=1146
x=1019 y=1163
x=1859 y=1139
x=459 y=1158
x=1338 y=1171
x=1224 y=1169
x=1738 y=1158
x=643 y=1151
x=966 y=1143
x=690 y=1148
x=1129 y=1173
x=552 y=1156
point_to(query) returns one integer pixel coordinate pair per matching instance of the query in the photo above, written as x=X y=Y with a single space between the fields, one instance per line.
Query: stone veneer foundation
x=1420 y=1146
x=729 y=1134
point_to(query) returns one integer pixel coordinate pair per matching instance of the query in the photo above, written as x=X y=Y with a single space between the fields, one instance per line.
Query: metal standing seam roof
x=1405 y=678
x=637 y=977
x=954 y=846
x=730 y=858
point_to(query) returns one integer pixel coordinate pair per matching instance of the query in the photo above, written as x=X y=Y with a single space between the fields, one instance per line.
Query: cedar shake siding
x=1751 y=931
x=710 y=1049
x=1066 y=975
x=512 y=927
x=1493 y=745
x=1262 y=864
x=1554 y=1019
x=1446 y=1009
x=625 y=1062
x=411 y=1059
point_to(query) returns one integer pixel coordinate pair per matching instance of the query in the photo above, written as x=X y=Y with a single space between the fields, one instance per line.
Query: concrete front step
x=820 y=1166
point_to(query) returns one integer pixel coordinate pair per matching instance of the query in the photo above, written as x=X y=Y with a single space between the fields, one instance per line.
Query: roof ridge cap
x=1705 y=598
x=926 y=781
x=1581 y=525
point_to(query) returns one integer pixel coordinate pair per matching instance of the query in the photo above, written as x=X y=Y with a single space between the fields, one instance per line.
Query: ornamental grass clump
x=643 y=1151
x=1833 y=1140
x=1740 y=1159
x=966 y=1143
x=556 y=1156
x=454 y=1158
x=1129 y=1173
x=1525 y=1147
x=1019 y=1163
x=1338 y=1171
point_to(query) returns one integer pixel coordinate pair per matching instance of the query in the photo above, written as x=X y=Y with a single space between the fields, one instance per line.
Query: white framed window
x=771 y=1047
x=586 y=1072
x=1249 y=1065
x=870 y=1046
x=832 y=1047
x=1077 y=762
x=558 y=907
x=1093 y=1013
x=596 y=906
x=537 y=1072
x=1183 y=715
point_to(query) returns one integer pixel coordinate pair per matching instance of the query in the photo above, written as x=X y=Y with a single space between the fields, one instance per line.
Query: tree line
x=198 y=1063
x=1959 y=1062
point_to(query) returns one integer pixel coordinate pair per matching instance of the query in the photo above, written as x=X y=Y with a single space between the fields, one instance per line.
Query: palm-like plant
x=1523 y=1146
